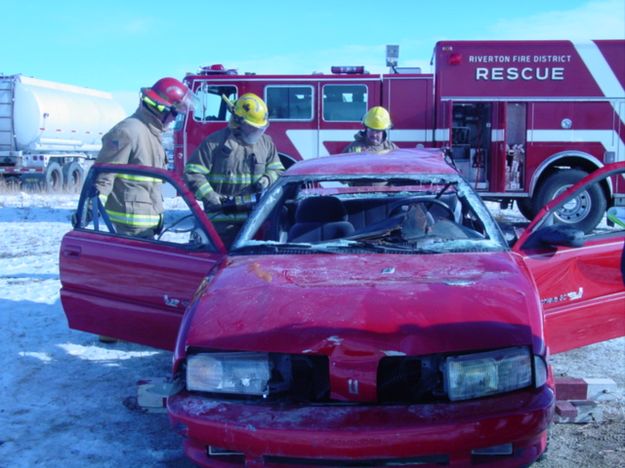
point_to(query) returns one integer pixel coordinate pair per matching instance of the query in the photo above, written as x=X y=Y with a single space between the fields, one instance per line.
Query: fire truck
x=522 y=120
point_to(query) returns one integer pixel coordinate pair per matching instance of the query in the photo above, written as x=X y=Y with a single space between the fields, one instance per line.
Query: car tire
x=584 y=211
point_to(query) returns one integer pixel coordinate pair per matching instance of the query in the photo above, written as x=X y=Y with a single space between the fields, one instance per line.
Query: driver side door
x=580 y=277
x=136 y=288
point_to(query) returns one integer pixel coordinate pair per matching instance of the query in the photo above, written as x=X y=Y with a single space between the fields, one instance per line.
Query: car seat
x=319 y=219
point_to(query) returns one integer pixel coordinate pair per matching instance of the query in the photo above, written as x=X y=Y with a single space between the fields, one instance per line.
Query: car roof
x=400 y=161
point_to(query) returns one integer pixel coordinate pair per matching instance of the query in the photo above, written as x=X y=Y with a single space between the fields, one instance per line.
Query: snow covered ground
x=68 y=400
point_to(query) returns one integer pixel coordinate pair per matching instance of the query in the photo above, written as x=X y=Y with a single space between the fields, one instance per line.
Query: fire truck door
x=471 y=135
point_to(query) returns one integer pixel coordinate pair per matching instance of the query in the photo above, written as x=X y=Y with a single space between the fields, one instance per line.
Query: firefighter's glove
x=261 y=184
x=229 y=205
x=212 y=202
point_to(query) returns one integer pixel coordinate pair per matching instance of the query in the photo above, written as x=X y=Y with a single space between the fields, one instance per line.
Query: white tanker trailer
x=48 y=130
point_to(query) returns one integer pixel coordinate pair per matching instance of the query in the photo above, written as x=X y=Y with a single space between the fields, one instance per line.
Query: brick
x=565 y=410
x=570 y=388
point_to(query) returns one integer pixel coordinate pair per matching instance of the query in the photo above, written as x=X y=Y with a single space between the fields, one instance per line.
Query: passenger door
x=132 y=288
x=580 y=277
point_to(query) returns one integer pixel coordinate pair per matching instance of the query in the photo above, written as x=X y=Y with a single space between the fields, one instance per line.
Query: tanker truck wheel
x=53 y=178
x=582 y=212
x=73 y=176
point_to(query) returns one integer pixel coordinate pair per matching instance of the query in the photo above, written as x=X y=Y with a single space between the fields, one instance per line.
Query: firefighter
x=374 y=137
x=232 y=166
x=134 y=203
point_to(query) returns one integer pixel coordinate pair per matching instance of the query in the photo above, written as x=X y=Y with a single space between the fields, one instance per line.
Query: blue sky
x=120 y=46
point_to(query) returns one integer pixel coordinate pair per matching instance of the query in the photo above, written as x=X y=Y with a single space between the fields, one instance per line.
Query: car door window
x=556 y=228
x=137 y=216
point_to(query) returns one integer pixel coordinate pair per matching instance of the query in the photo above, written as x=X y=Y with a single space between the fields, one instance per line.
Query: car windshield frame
x=371 y=186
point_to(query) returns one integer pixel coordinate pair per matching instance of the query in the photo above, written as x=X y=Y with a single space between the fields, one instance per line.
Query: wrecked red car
x=371 y=312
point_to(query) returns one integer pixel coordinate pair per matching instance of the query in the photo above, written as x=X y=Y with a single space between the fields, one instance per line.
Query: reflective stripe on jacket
x=133 y=200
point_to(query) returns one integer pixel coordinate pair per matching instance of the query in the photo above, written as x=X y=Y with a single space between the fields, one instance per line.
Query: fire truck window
x=344 y=103
x=211 y=105
x=289 y=102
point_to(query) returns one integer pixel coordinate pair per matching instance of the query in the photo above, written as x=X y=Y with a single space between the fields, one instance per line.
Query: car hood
x=367 y=304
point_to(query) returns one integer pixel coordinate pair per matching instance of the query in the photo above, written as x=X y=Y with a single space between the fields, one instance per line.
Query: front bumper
x=281 y=434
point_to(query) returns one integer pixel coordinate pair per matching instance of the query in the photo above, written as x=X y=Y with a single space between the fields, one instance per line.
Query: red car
x=371 y=312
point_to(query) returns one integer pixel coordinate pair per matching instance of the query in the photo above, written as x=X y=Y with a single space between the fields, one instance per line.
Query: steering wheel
x=171 y=227
x=402 y=206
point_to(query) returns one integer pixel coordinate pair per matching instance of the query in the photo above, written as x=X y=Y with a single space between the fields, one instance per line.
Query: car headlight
x=239 y=373
x=481 y=374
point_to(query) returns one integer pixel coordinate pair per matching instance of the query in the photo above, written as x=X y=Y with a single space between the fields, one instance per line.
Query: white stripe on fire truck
x=602 y=73
x=610 y=139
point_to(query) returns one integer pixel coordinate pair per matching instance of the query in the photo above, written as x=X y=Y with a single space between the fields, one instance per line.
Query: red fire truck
x=523 y=120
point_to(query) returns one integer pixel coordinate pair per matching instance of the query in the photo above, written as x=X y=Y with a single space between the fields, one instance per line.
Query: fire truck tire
x=584 y=211
x=53 y=177
x=526 y=207
x=73 y=174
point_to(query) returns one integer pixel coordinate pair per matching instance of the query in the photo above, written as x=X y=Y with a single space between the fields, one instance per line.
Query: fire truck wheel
x=73 y=176
x=584 y=211
x=53 y=177
x=526 y=207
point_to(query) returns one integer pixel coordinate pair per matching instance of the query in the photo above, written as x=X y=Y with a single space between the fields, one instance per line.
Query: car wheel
x=583 y=211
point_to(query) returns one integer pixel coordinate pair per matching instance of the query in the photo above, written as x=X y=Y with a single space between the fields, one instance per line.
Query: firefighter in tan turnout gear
x=374 y=137
x=134 y=203
x=232 y=166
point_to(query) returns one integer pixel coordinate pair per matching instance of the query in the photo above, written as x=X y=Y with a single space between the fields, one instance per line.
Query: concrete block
x=152 y=394
x=601 y=389
x=587 y=411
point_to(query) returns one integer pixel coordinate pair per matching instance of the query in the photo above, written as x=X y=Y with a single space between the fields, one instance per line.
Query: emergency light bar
x=217 y=69
x=359 y=70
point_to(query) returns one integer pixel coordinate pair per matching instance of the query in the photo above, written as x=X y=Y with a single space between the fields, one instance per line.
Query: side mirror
x=555 y=235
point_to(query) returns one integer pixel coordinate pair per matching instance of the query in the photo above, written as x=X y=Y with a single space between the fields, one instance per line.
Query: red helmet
x=168 y=94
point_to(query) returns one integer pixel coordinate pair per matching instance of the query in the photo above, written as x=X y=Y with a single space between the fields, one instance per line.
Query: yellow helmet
x=252 y=110
x=377 y=118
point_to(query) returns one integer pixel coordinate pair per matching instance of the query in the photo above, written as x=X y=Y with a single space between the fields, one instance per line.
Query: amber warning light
x=455 y=59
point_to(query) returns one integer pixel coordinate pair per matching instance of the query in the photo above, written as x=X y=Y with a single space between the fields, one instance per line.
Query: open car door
x=580 y=276
x=132 y=288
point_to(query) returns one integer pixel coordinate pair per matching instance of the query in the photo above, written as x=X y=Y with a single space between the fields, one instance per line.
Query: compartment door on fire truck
x=135 y=286
x=580 y=277
x=471 y=125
